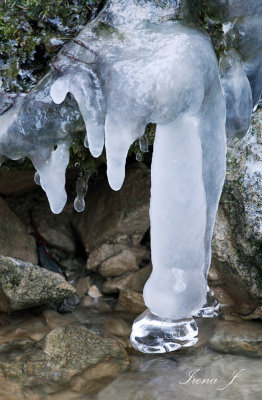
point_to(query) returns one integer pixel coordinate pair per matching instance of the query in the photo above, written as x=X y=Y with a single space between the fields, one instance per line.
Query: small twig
x=86 y=47
x=23 y=8
x=69 y=55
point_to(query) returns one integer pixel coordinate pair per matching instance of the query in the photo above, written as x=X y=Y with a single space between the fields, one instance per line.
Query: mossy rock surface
x=32 y=32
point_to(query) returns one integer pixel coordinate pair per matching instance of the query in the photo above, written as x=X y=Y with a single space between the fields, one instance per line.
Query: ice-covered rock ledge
x=139 y=62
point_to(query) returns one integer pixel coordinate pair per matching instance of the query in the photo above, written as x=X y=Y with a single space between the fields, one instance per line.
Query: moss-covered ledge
x=32 y=32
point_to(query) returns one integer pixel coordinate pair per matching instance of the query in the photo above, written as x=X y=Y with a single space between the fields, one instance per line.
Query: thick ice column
x=177 y=288
x=213 y=142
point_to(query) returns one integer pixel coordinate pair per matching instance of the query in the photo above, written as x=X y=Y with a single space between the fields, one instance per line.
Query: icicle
x=143 y=144
x=85 y=87
x=37 y=178
x=139 y=156
x=119 y=135
x=86 y=144
x=51 y=169
x=81 y=189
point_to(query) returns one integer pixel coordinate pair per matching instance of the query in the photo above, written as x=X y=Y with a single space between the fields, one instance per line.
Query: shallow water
x=194 y=373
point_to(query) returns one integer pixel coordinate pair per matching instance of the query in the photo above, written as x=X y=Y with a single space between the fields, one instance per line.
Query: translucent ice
x=51 y=171
x=36 y=128
x=152 y=334
x=241 y=65
x=141 y=62
x=81 y=189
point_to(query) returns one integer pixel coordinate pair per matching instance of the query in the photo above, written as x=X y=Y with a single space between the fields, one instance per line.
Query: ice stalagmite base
x=176 y=288
x=153 y=334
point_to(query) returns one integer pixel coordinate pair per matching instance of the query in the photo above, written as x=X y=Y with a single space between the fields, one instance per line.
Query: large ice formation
x=147 y=61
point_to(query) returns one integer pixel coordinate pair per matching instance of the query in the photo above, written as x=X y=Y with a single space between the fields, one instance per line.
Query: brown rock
x=83 y=285
x=55 y=320
x=55 y=228
x=131 y=302
x=117 y=265
x=16 y=182
x=117 y=327
x=102 y=253
x=94 y=292
x=97 y=304
x=111 y=213
x=14 y=239
x=34 y=328
x=27 y=330
x=130 y=280
x=238 y=338
x=62 y=354
x=24 y=285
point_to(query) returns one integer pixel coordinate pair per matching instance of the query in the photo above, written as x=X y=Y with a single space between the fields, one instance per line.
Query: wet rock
x=238 y=338
x=94 y=292
x=24 y=331
x=130 y=280
x=119 y=264
x=83 y=285
x=64 y=353
x=69 y=304
x=131 y=302
x=34 y=328
x=110 y=214
x=96 y=304
x=24 y=285
x=55 y=320
x=13 y=391
x=162 y=378
x=14 y=239
x=117 y=327
x=237 y=241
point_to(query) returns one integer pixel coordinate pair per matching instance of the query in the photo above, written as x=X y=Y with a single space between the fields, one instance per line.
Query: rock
x=94 y=292
x=123 y=262
x=13 y=391
x=162 y=378
x=34 y=327
x=102 y=253
x=96 y=304
x=131 y=280
x=131 y=302
x=24 y=285
x=56 y=229
x=83 y=285
x=117 y=327
x=238 y=338
x=111 y=215
x=237 y=237
x=14 y=239
x=16 y=182
x=73 y=265
x=55 y=320
x=25 y=330
x=69 y=304
x=62 y=354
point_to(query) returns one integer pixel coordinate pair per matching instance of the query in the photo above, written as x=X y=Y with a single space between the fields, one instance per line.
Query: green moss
x=32 y=32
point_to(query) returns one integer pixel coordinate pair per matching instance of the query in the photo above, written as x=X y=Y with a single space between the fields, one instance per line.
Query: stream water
x=194 y=373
